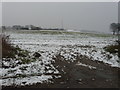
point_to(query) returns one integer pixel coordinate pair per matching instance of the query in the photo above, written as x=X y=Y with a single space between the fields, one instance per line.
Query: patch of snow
x=89 y=66
x=26 y=80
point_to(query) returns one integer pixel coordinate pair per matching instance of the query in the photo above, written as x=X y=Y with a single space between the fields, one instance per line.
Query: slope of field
x=71 y=46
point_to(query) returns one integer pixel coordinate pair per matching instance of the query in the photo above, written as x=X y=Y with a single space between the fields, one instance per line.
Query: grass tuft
x=8 y=51
x=113 y=49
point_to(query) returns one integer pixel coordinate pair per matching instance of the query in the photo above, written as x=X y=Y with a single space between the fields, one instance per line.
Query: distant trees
x=3 y=27
x=28 y=27
x=16 y=27
x=115 y=27
x=19 y=27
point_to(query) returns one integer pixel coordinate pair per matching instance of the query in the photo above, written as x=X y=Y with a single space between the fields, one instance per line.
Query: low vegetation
x=62 y=32
x=113 y=49
x=10 y=52
x=7 y=49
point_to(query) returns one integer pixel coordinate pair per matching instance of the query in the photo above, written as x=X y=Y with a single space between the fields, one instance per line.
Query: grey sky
x=119 y=12
x=0 y=13
x=76 y=15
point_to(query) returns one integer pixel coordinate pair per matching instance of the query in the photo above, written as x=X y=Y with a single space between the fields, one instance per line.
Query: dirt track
x=104 y=76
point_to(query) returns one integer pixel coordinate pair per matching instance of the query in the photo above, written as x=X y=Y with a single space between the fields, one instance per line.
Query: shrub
x=113 y=49
x=7 y=49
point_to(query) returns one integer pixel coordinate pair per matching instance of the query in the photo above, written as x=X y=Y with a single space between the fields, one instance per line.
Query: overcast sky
x=119 y=12
x=94 y=16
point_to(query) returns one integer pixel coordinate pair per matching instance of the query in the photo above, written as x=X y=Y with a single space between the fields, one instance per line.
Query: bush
x=8 y=51
x=113 y=49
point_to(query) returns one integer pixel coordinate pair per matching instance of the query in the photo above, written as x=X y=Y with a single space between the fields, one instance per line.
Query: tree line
x=28 y=27
x=115 y=27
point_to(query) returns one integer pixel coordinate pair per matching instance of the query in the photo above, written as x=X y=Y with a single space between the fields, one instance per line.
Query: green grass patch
x=23 y=53
x=61 y=32
x=112 y=49
x=25 y=61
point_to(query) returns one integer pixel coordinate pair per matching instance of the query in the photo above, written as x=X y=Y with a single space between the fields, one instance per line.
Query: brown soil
x=77 y=76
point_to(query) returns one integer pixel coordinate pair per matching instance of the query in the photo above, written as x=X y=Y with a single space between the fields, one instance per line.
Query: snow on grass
x=26 y=81
x=101 y=55
x=27 y=72
x=68 y=45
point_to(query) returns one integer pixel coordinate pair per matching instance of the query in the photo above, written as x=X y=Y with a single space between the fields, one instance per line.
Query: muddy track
x=77 y=76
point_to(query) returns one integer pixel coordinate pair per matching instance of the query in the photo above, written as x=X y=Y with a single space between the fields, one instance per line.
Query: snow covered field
x=48 y=44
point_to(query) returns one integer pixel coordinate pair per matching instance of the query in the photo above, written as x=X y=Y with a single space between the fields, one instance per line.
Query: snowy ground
x=48 y=44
